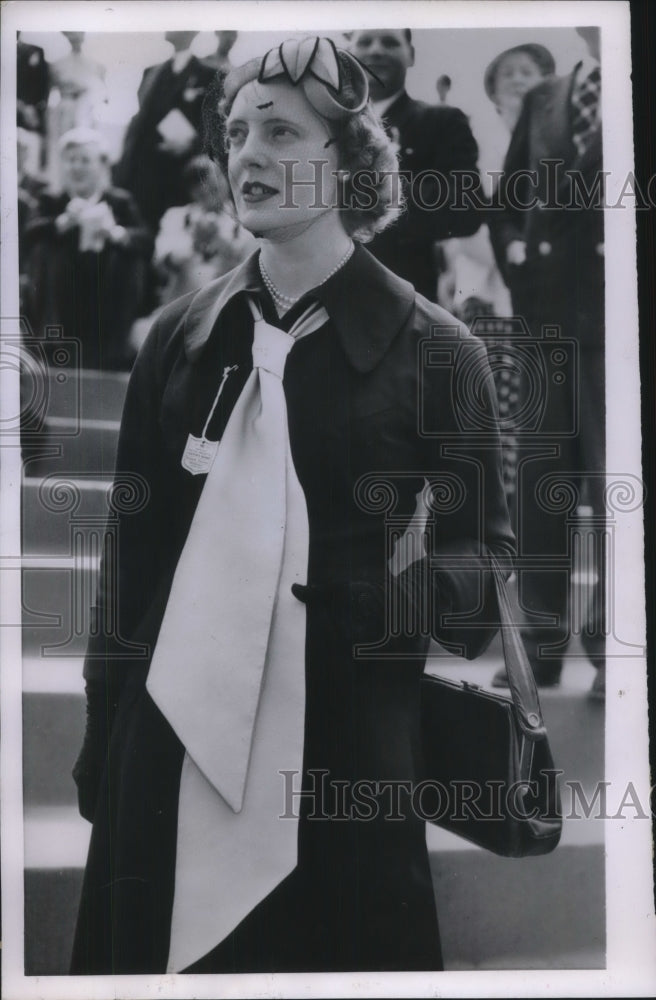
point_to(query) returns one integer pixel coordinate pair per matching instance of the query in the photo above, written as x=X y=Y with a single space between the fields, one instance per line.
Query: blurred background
x=462 y=54
x=497 y=913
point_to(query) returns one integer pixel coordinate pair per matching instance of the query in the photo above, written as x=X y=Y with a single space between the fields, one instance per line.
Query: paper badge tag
x=198 y=455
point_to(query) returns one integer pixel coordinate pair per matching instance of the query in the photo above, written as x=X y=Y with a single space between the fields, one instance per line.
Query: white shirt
x=380 y=107
x=180 y=60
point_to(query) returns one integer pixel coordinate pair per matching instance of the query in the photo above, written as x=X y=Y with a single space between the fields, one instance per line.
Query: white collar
x=380 y=107
x=180 y=60
x=92 y=199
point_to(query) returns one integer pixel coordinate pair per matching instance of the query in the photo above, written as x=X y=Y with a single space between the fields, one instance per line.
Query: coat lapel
x=368 y=305
x=553 y=120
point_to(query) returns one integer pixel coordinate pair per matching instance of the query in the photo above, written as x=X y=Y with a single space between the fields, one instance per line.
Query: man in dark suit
x=32 y=87
x=551 y=255
x=165 y=132
x=219 y=60
x=434 y=142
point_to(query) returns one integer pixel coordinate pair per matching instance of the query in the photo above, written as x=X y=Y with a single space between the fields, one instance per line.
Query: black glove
x=357 y=608
x=102 y=701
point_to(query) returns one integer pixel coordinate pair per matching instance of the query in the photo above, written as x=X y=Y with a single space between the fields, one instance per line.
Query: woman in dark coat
x=198 y=858
x=86 y=252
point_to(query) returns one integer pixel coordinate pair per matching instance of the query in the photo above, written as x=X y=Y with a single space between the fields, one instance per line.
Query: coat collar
x=397 y=112
x=366 y=302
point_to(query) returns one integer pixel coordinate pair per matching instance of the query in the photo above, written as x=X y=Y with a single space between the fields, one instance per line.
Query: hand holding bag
x=489 y=774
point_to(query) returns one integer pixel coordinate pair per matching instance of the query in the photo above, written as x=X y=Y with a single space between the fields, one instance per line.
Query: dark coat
x=562 y=281
x=32 y=85
x=361 y=896
x=559 y=289
x=155 y=177
x=94 y=296
x=437 y=140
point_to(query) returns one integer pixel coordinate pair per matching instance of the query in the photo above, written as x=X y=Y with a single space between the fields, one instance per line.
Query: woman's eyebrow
x=273 y=120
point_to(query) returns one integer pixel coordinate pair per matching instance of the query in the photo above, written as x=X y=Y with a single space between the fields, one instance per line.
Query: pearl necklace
x=287 y=301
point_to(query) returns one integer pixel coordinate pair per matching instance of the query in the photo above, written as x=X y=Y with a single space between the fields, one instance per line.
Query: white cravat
x=228 y=671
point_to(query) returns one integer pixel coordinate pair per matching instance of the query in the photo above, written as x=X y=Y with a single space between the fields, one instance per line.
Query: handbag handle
x=520 y=675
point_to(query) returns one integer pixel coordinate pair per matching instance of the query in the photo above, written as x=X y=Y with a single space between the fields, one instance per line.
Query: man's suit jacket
x=563 y=278
x=152 y=175
x=437 y=140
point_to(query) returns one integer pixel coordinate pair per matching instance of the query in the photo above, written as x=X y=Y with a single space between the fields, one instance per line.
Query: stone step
x=522 y=913
x=51 y=901
x=56 y=837
x=85 y=395
x=494 y=913
x=57 y=594
x=68 y=446
x=57 y=509
x=53 y=728
x=54 y=714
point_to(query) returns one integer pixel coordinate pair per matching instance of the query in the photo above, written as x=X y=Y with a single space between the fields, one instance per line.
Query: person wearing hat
x=548 y=237
x=85 y=252
x=251 y=714
x=512 y=73
x=473 y=272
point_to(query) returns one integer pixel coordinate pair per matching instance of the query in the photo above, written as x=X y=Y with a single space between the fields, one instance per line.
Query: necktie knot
x=270 y=348
x=271 y=345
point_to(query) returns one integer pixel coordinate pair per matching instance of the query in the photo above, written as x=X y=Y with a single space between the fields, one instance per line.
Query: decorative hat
x=316 y=66
x=540 y=55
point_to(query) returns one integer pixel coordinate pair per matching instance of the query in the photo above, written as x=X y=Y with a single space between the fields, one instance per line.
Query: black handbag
x=489 y=774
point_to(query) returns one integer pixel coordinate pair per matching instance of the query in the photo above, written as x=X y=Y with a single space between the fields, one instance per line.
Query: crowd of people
x=104 y=246
x=171 y=773
x=455 y=253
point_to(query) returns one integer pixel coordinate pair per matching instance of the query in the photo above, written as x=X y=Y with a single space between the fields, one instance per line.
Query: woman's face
x=83 y=170
x=282 y=159
x=516 y=74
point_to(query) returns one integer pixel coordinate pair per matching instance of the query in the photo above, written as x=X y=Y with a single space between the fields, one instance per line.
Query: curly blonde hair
x=370 y=201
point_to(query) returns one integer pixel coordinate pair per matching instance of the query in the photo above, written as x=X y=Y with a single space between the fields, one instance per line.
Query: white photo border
x=631 y=923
